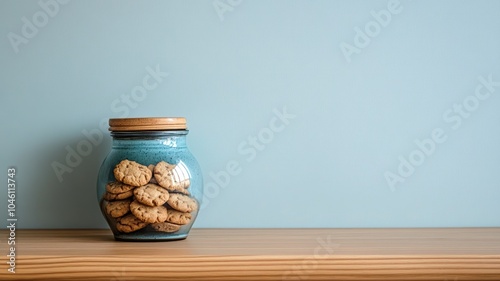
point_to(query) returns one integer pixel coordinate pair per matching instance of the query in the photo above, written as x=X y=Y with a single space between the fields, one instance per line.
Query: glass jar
x=149 y=186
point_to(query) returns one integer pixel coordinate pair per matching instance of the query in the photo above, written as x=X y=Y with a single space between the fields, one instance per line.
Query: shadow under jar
x=150 y=186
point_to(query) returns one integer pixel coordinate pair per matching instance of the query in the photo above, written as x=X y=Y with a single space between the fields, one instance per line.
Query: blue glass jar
x=150 y=186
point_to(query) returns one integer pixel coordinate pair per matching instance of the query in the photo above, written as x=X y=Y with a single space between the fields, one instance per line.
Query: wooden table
x=259 y=254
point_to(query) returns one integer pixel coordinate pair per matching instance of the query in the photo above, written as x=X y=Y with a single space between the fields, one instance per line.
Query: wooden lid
x=147 y=124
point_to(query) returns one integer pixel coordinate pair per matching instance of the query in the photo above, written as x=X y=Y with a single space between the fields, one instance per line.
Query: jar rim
x=147 y=124
x=134 y=135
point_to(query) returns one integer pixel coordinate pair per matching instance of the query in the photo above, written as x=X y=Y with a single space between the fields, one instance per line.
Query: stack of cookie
x=154 y=195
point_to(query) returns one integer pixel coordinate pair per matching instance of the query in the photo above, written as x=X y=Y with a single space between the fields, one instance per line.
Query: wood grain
x=260 y=254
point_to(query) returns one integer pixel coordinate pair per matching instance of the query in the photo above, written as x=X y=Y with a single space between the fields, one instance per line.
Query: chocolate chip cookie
x=132 y=173
x=165 y=227
x=172 y=177
x=178 y=217
x=129 y=223
x=148 y=214
x=151 y=195
x=182 y=202
x=116 y=209
x=118 y=187
x=117 y=196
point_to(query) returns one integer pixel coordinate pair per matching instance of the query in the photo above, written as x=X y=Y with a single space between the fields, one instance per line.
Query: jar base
x=149 y=238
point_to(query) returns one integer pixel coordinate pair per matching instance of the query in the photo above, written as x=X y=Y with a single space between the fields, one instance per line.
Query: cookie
x=116 y=209
x=118 y=187
x=179 y=190
x=132 y=173
x=117 y=196
x=129 y=223
x=180 y=176
x=172 y=177
x=147 y=213
x=178 y=217
x=182 y=202
x=151 y=195
x=165 y=227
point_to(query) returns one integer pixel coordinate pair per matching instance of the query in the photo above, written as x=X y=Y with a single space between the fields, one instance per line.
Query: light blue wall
x=357 y=106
